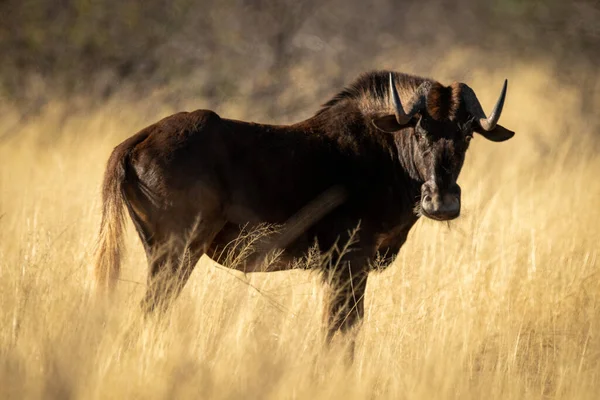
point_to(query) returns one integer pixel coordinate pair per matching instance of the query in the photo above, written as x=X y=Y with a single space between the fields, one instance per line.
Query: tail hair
x=109 y=246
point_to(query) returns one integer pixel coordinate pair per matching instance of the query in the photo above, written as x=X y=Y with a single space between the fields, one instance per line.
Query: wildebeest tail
x=109 y=247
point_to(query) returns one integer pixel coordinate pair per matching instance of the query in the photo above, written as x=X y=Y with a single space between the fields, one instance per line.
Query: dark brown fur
x=193 y=182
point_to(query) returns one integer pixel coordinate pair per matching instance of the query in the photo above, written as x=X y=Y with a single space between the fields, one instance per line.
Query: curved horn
x=474 y=107
x=415 y=104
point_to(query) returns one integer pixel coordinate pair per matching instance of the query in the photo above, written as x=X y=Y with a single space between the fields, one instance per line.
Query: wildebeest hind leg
x=171 y=263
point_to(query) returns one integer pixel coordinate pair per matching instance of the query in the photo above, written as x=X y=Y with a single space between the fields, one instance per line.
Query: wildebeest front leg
x=344 y=303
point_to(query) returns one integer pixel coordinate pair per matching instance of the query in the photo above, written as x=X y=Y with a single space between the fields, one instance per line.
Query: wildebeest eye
x=421 y=129
x=467 y=127
x=468 y=138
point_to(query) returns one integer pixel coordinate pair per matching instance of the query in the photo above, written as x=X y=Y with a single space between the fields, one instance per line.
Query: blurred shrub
x=222 y=48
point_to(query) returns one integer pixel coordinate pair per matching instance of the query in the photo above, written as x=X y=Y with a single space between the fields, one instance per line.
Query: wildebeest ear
x=498 y=134
x=387 y=123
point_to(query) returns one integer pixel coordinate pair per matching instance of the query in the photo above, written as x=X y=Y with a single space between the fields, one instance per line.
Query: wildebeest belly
x=244 y=247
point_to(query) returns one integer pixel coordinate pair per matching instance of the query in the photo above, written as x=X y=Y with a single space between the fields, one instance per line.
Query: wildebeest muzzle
x=441 y=205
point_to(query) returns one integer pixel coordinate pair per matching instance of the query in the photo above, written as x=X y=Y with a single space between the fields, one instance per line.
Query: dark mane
x=372 y=86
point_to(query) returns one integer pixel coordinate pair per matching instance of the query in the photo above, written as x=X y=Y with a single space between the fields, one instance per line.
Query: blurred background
x=276 y=60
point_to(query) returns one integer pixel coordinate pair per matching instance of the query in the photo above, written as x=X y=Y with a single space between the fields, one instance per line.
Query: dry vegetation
x=503 y=303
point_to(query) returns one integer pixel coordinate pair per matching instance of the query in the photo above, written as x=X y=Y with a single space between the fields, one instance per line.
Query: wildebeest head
x=442 y=121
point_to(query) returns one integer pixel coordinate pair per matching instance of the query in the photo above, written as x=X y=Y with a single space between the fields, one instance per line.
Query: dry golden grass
x=502 y=304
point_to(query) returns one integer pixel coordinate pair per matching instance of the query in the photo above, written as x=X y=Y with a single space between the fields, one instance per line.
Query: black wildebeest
x=383 y=152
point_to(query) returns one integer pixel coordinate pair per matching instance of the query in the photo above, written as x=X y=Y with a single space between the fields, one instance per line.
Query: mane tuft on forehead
x=443 y=102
